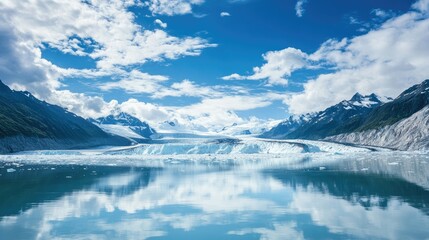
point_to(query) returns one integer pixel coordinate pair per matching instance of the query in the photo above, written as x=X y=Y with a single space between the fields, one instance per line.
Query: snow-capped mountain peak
x=122 y=118
x=320 y=124
x=125 y=125
x=368 y=101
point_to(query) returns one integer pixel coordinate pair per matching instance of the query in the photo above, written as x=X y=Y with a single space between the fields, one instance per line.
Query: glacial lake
x=367 y=196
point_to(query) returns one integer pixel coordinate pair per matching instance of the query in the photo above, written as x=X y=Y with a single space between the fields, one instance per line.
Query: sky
x=206 y=64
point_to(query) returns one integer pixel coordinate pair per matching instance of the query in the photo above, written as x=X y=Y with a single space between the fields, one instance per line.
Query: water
x=383 y=197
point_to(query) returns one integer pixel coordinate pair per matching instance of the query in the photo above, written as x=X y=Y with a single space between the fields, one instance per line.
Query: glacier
x=231 y=146
x=245 y=151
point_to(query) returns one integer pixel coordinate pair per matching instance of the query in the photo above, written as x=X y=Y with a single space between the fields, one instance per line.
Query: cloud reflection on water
x=237 y=203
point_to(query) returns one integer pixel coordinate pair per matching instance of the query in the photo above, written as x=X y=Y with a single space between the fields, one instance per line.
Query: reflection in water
x=184 y=202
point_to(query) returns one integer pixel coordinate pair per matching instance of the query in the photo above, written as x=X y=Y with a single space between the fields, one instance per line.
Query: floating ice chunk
x=393 y=163
x=10 y=170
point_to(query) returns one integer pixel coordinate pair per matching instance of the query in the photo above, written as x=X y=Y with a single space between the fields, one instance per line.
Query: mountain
x=253 y=127
x=343 y=117
x=406 y=104
x=125 y=125
x=27 y=123
x=288 y=126
x=411 y=133
x=401 y=124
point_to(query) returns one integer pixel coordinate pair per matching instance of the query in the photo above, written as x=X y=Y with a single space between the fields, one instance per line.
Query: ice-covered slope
x=411 y=133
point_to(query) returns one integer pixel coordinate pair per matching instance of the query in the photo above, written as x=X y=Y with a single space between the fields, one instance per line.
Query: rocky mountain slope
x=27 y=123
x=411 y=133
x=402 y=123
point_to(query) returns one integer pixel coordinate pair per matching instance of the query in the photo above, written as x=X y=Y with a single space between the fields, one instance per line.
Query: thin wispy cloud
x=161 y=23
x=299 y=7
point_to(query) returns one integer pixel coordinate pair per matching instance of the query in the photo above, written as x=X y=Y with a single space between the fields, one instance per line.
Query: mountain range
x=400 y=123
x=343 y=117
x=27 y=123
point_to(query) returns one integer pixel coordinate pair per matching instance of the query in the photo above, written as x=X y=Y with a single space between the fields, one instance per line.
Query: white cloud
x=421 y=5
x=299 y=8
x=106 y=28
x=81 y=104
x=386 y=60
x=279 y=65
x=234 y=76
x=161 y=23
x=171 y=7
x=105 y=31
x=148 y=112
x=136 y=82
x=216 y=113
x=225 y=14
x=186 y=88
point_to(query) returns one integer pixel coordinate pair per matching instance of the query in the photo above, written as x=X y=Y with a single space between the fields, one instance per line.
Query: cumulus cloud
x=104 y=31
x=171 y=7
x=278 y=66
x=386 y=61
x=148 y=112
x=81 y=104
x=214 y=113
x=22 y=67
x=299 y=7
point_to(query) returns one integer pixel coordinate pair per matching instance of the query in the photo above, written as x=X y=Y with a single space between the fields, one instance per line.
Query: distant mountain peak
x=357 y=97
x=328 y=121
x=367 y=101
x=121 y=118
x=126 y=120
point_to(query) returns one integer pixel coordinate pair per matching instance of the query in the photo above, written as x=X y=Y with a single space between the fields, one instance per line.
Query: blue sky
x=208 y=63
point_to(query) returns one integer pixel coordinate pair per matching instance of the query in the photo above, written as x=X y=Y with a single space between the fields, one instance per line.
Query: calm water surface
x=365 y=199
